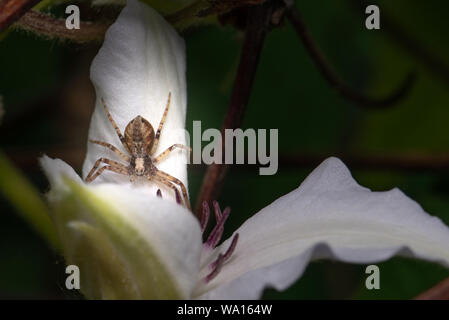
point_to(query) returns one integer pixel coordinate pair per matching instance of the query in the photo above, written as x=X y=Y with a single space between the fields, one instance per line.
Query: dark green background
x=39 y=78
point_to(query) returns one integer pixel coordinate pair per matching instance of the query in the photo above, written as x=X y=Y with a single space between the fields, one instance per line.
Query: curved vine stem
x=47 y=26
x=439 y=292
x=332 y=78
x=13 y=10
x=257 y=27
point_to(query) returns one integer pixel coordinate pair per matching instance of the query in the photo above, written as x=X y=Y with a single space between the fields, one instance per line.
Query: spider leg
x=117 y=130
x=169 y=150
x=112 y=166
x=170 y=185
x=113 y=148
x=161 y=124
x=166 y=176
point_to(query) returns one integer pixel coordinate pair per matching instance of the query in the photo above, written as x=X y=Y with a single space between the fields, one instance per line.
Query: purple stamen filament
x=217 y=231
x=216 y=270
x=205 y=216
x=215 y=237
x=228 y=252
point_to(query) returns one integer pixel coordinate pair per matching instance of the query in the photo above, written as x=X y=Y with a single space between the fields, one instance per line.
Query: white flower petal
x=141 y=61
x=328 y=216
x=127 y=244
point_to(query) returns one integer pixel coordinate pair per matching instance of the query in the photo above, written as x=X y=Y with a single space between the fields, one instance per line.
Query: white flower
x=130 y=244
x=141 y=61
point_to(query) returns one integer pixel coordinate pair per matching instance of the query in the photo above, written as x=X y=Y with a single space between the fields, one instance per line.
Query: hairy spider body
x=140 y=141
x=141 y=166
x=139 y=136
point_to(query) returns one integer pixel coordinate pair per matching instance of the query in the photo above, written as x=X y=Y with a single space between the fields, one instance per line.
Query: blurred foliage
x=27 y=201
x=289 y=94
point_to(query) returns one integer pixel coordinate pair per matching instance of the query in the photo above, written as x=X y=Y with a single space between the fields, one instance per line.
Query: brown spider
x=141 y=143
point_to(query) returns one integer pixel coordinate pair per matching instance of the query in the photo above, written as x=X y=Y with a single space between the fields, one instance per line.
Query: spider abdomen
x=139 y=136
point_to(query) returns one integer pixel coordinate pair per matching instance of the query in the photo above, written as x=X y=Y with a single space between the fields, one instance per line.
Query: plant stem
x=413 y=47
x=47 y=26
x=257 y=27
x=411 y=162
x=332 y=78
x=406 y=162
x=439 y=292
x=13 y=10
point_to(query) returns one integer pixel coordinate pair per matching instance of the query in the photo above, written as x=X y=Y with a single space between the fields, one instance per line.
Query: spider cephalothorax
x=140 y=141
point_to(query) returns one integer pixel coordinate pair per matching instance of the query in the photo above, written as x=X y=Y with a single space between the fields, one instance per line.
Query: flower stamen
x=215 y=237
x=204 y=216
x=217 y=210
x=217 y=268
x=228 y=252
x=217 y=231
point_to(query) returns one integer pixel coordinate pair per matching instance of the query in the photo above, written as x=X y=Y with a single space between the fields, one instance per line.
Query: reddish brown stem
x=407 y=162
x=438 y=292
x=258 y=21
x=332 y=78
x=47 y=26
x=224 y=6
x=13 y=10
x=412 y=46
x=414 y=162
